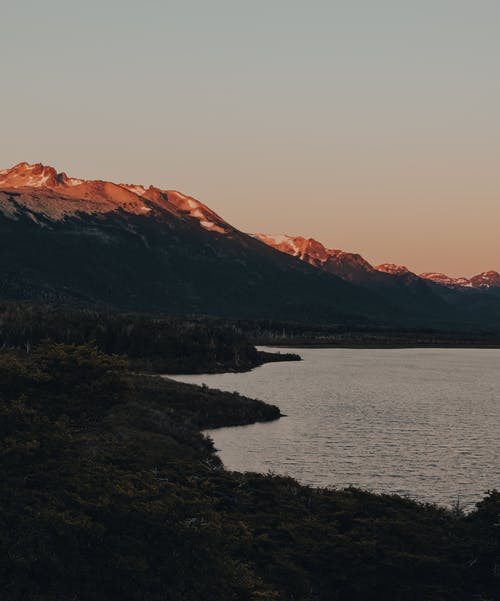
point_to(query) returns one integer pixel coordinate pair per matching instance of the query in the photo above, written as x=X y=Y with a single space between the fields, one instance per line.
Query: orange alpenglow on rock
x=58 y=196
x=313 y=252
x=353 y=267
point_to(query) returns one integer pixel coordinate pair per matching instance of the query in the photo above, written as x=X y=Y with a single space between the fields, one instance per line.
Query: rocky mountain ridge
x=350 y=265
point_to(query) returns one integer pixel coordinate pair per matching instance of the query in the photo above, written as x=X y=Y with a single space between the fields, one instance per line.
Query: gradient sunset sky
x=371 y=126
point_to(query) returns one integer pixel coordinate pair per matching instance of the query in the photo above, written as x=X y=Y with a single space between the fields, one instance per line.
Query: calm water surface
x=418 y=422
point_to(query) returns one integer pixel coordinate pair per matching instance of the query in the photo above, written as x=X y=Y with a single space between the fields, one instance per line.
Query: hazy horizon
x=371 y=128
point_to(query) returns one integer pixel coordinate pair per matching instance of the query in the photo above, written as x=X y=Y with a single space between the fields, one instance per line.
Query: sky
x=373 y=127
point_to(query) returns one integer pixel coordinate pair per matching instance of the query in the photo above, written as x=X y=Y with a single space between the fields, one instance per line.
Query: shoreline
x=123 y=476
x=262 y=358
x=440 y=504
x=378 y=346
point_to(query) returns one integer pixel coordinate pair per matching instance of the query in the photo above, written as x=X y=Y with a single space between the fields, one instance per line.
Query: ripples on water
x=418 y=422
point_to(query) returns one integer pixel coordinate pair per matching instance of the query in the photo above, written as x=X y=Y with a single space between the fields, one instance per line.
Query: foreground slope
x=109 y=491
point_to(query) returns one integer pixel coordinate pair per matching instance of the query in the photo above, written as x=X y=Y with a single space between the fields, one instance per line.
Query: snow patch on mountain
x=136 y=189
x=350 y=266
x=195 y=209
x=484 y=280
x=446 y=280
x=26 y=175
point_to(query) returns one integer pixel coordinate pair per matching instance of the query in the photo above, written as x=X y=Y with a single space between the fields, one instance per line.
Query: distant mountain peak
x=446 y=280
x=486 y=279
x=392 y=269
x=26 y=175
x=347 y=265
x=307 y=249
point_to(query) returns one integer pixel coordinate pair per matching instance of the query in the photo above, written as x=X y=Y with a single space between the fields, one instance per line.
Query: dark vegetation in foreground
x=108 y=491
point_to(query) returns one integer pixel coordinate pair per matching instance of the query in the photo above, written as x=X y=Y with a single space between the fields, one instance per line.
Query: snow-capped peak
x=446 y=280
x=307 y=249
x=347 y=265
x=26 y=175
x=392 y=269
x=438 y=277
x=486 y=279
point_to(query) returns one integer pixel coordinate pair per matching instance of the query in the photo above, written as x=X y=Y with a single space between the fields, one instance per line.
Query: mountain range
x=139 y=248
x=354 y=267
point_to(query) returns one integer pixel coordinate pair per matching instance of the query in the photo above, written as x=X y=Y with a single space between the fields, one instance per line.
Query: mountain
x=482 y=281
x=141 y=248
x=394 y=281
x=353 y=267
x=487 y=279
x=446 y=280
x=54 y=196
x=349 y=266
x=393 y=269
x=426 y=294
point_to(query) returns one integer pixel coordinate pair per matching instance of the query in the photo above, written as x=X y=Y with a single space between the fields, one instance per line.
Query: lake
x=424 y=423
